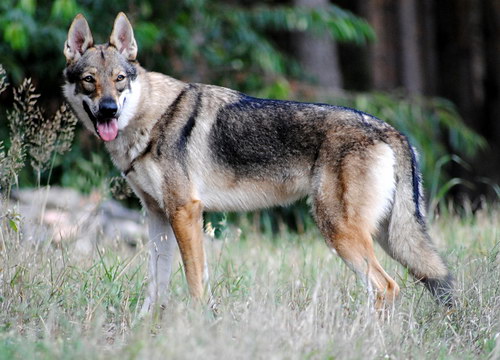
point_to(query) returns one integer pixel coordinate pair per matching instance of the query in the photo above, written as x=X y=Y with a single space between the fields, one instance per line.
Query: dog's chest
x=147 y=177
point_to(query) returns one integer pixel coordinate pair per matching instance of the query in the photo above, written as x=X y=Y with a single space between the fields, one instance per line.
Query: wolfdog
x=186 y=148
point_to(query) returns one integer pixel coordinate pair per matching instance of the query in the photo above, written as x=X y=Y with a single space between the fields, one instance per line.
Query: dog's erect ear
x=79 y=39
x=122 y=37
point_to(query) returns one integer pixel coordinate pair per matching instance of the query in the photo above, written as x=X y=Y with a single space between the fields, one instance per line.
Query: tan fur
x=187 y=148
x=187 y=225
x=355 y=246
x=347 y=223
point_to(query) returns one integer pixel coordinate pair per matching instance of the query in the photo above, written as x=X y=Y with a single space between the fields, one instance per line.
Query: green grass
x=283 y=298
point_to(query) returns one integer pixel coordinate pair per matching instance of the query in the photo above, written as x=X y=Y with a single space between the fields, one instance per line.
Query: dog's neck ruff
x=129 y=102
x=145 y=150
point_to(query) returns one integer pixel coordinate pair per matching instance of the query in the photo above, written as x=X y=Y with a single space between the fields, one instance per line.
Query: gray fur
x=185 y=148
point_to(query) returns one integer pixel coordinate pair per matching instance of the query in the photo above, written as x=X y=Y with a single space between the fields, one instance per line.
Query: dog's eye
x=120 y=78
x=88 y=79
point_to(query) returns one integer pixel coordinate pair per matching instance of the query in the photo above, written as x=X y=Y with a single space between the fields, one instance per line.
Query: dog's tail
x=406 y=238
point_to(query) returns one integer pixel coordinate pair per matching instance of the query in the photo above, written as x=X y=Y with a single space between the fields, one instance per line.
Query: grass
x=282 y=298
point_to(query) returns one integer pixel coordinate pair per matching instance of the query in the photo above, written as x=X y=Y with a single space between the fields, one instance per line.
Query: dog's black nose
x=108 y=108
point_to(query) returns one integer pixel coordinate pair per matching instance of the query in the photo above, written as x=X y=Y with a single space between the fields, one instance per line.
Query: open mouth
x=107 y=129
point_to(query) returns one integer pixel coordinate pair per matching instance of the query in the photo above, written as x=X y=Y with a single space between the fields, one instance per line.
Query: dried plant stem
x=47 y=189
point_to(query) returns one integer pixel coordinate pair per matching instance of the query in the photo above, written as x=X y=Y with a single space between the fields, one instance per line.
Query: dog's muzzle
x=106 y=122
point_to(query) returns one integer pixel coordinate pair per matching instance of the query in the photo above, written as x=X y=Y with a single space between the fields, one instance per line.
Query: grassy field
x=281 y=298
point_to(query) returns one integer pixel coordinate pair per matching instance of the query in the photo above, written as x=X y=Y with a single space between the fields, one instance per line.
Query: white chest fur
x=148 y=177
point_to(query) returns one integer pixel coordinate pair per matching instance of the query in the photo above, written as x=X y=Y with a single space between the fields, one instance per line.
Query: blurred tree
x=382 y=15
x=429 y=52
x=491 y=31
x=446 y=48
x=317 y=53
x=410 y=47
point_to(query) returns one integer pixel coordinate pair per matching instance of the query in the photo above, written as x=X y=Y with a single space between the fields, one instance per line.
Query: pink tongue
x=108 y=130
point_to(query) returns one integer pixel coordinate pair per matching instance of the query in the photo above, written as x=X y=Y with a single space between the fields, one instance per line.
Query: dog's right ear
x=122 y=37
x=79 y=39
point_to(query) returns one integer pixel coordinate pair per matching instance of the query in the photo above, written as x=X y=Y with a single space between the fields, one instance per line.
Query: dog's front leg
x=161 y=252
x=187 y=223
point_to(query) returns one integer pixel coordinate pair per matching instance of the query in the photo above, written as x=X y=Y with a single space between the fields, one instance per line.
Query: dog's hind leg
x=187 y=223
x=355 y=246
x=349 y=197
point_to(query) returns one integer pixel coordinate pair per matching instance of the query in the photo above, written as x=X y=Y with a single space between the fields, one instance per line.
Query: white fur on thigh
x=381 y=182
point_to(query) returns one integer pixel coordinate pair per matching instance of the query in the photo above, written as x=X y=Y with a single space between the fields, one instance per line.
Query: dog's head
x=101 y=80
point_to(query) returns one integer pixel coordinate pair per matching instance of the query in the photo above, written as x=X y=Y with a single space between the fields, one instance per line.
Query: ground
x=285 y=297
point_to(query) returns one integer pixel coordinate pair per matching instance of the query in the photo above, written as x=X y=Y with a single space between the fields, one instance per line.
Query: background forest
x=431 y=68
x=73 y=267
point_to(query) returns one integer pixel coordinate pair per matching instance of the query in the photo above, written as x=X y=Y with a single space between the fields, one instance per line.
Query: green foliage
x=119 y=188
x=214 y=41
x=234 y=41
x=87 y=175
x=338 y=23
x=33 y=30
x=64 y=9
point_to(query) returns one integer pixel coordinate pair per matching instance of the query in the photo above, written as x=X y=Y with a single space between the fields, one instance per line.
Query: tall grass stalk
x=33 y=136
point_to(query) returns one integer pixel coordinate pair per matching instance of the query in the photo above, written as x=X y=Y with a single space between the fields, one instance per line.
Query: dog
x=187 y=148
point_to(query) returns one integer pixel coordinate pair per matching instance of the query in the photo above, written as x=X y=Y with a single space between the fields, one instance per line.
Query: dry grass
x=286 y=298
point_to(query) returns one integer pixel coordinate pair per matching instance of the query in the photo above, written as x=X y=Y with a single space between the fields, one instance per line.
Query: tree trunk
x=410 y=47
x=491 y=11
x=462 y=57
x=318 y=53
x=491 y=128
x=382 y=15
x=429 y=60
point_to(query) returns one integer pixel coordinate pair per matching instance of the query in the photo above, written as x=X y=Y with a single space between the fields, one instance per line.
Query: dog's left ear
x=122 y=37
